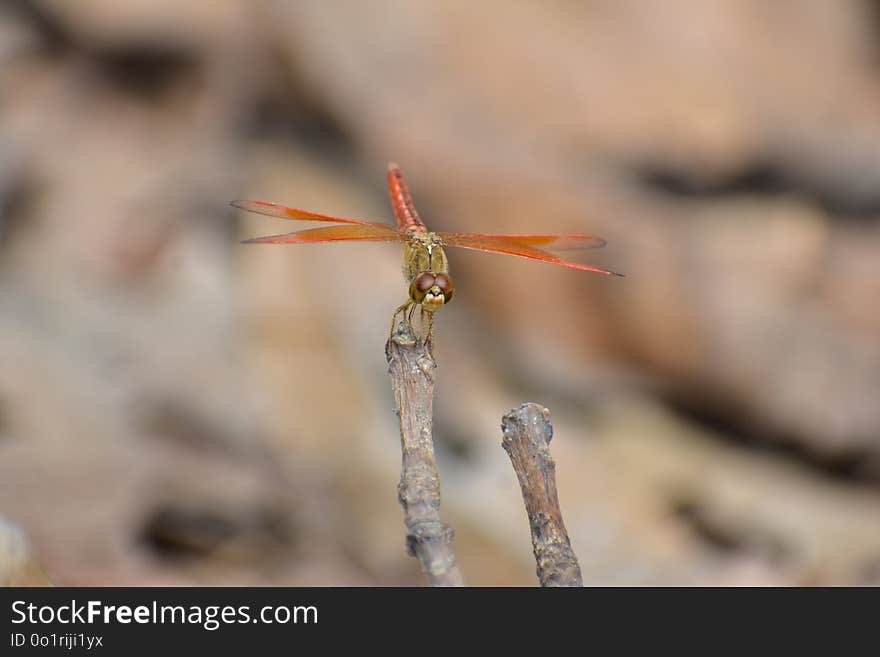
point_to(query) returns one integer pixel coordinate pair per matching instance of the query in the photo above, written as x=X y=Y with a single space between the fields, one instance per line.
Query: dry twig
x=527 y=434
x=412 y=376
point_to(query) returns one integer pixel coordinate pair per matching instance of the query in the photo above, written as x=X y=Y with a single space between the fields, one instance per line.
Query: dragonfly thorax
x=427 y=270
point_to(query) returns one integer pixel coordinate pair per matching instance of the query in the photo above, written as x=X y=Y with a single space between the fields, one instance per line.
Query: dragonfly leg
x=429 y=338
x=400 y=310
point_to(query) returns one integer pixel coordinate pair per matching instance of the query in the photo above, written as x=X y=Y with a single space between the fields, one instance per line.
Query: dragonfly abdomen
x=404 y=208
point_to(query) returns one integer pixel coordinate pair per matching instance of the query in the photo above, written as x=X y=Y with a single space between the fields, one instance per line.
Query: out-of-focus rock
x=705 y=103
x=17 y=564
x=107 y=22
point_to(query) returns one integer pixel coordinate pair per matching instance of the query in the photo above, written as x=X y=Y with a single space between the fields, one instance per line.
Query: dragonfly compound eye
x=444 y=282
x=421 y=285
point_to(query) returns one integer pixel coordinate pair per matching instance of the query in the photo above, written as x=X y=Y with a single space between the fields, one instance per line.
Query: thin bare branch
x=527 y=434
x=411 y=367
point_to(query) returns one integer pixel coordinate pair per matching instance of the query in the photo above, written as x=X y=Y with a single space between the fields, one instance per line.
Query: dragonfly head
x=431 y=290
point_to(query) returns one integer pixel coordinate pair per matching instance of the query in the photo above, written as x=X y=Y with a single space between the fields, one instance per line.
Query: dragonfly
x=425 y=265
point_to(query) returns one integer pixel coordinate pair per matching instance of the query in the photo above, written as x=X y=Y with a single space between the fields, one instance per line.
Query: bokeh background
x=178 y=408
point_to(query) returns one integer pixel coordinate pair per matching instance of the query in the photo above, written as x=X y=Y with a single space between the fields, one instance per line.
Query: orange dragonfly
x=424 y=262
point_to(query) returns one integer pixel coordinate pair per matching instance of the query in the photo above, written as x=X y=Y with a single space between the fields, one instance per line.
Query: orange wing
x=284 y=212
x=363 y=233
x=510 y=245
x=550 y=242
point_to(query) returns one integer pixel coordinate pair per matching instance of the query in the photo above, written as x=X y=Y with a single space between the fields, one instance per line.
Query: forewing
x=509 y=246
x=548 y=242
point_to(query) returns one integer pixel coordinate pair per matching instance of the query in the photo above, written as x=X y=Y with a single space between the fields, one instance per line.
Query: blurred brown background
x=177 y=408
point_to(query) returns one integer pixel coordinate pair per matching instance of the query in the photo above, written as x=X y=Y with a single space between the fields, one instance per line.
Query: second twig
x=527 y=433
